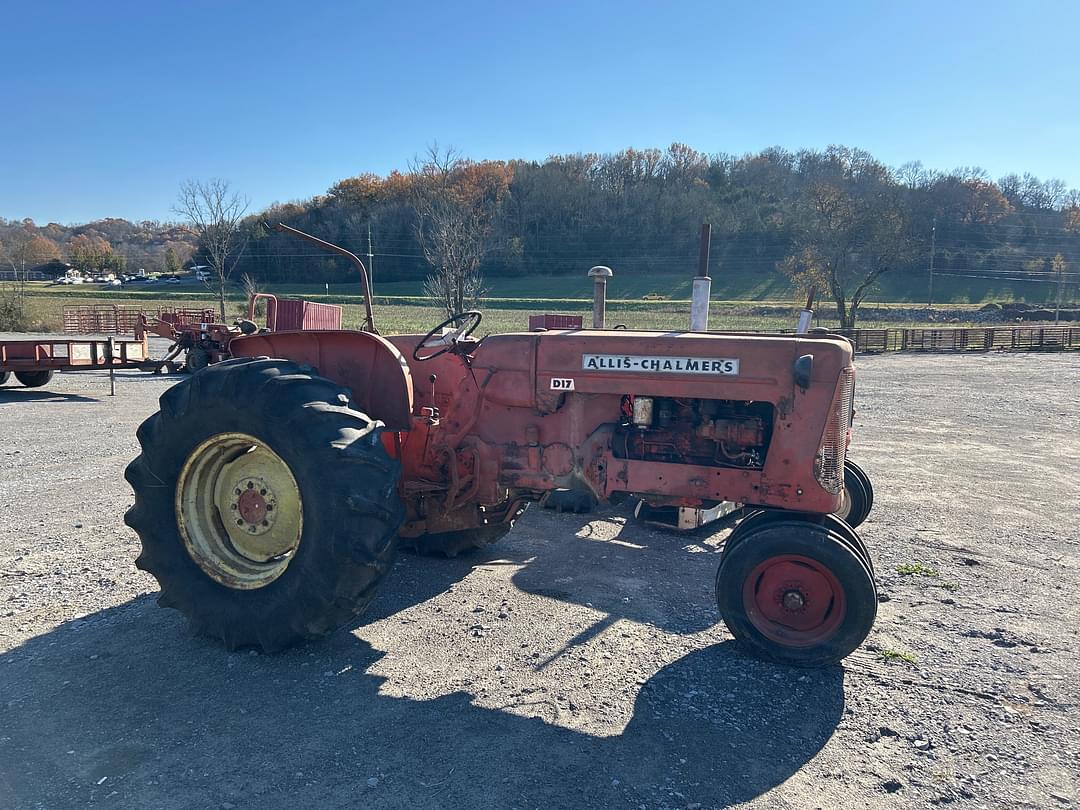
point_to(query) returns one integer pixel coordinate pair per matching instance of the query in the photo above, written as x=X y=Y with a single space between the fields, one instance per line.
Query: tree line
x=108 y=245
x=837 y=219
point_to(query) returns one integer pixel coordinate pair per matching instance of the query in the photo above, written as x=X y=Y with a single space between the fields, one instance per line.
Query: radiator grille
x=829 y=464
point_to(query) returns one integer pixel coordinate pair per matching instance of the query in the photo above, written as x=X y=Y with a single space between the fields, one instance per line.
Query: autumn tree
x=457 y=202
x=215 y=213
x=89 y=253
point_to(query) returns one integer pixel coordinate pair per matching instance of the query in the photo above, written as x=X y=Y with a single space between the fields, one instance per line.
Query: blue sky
x=108 y=106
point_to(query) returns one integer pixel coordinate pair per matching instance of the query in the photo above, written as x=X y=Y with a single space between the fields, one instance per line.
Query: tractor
x=273 y=489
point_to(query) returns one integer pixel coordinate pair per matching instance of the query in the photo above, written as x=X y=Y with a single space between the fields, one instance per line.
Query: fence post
x=112 y=369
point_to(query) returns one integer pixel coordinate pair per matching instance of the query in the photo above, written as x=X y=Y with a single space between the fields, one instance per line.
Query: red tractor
x=273 y=489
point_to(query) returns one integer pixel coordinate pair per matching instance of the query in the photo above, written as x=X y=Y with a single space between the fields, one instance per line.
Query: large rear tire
x=267 y=507
x=34 y=379
x=796 y=593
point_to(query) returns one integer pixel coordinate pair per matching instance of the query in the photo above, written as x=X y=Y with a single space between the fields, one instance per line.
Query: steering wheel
x=466 y=323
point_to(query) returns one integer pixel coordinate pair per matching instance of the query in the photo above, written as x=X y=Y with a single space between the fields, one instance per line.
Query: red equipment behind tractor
x=274 y=488
x=203 y=341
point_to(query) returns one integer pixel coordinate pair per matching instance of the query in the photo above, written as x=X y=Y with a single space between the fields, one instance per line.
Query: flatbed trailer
x=34 y=360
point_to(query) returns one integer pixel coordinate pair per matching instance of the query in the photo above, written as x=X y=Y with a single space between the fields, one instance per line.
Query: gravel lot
x=578 y=663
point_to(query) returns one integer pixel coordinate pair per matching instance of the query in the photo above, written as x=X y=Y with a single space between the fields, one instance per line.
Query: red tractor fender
x=368 y=365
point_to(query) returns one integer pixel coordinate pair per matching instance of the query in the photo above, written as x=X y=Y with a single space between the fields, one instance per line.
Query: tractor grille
x=829 y=463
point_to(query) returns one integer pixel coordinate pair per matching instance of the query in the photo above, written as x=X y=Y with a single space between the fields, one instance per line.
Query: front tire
x=297 y=544
x=858 y=495
x=796 y=593
x=34 y=379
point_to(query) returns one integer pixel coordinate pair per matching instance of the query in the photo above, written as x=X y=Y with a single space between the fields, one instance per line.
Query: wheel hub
x=239 y=510
x=794 y=600
x=254 y=503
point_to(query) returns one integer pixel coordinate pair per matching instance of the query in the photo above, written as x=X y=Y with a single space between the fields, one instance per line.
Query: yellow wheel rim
x=239 y=510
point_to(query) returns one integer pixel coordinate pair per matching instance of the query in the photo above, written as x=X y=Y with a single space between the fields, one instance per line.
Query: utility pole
x=1061 y=279
x=933 y=247
x=370 y=257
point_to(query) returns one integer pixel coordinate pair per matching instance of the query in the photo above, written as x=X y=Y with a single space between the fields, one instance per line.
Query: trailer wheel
x=34 y=379
x=267 y=508
x=196 y=359
x=4 y=375
x=796 y=593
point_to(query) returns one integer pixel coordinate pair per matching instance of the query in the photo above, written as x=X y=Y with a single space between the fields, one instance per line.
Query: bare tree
x=456 y=203
x=215 y=213
x=13 y=292
x=852 y=227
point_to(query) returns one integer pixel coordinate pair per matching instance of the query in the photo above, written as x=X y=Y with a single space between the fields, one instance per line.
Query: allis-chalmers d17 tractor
x=274 y=488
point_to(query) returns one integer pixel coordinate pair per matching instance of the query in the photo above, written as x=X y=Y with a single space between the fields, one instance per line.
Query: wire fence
x=978 y=339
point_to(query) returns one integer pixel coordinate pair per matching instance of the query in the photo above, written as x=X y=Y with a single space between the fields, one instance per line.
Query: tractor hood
x=686 y=364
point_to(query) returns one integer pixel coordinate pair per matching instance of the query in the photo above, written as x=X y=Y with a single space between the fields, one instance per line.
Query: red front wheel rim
x=794 y=600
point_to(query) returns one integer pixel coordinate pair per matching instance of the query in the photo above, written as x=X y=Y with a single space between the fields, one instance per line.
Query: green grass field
x=627 y=292
x=409 y=315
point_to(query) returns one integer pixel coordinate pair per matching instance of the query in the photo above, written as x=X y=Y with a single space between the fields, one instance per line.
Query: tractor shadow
x=624 y=569
x=125 y=706
x=614 y=564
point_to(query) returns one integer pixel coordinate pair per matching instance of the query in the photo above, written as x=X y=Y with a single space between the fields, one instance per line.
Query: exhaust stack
x=806 y=315
x=699 y=299
x=599 y=275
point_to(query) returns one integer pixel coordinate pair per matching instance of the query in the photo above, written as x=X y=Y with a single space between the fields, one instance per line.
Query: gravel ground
x=579 y=662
